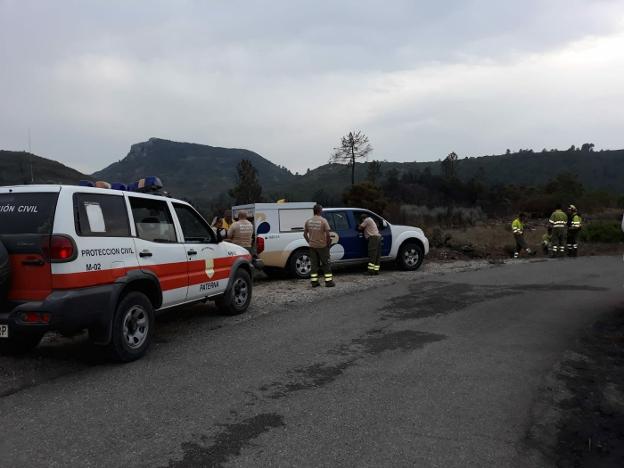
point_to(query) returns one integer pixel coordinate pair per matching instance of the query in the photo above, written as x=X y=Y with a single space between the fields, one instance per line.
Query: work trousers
x=374 y=253
x=319 y=258
x=520 y=244
x=558 y=241
x=572 y=242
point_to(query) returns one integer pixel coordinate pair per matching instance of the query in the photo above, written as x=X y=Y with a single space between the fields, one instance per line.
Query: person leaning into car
x=316 y=233
x=371 y=233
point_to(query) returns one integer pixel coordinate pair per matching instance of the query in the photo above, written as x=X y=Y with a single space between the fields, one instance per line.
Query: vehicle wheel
x=410 y=256
x=132 y=327
x=236 y=300
x=5 y=274
x=20 y=342
x=300 y=264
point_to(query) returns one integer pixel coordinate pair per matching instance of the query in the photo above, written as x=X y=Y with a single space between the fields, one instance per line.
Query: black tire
x=19 y=342
x=132 y=327
x=238 y=297
x=411 y=255
x=5 y=274
x=300 y=264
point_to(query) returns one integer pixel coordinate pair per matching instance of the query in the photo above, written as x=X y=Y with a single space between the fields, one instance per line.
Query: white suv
x=76 y=257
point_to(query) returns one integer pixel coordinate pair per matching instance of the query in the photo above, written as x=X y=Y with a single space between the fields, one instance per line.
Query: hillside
x=600 y=170
x=205 y=173
x=15 y=169
x=191 y=170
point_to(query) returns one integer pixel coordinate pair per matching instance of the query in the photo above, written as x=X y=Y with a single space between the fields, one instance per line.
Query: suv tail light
x=62 y=249
x=260 y=245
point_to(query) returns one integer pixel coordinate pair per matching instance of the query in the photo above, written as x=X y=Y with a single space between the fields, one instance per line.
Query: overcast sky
x=287 y=78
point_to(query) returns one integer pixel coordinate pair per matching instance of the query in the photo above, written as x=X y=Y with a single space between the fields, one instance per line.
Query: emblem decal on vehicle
x=210 y=267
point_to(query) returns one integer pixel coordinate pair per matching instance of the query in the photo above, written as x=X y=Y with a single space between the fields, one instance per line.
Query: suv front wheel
x=237 y=298
x=132 y=327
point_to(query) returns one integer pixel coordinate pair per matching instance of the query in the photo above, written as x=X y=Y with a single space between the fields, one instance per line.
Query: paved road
x=435 y=371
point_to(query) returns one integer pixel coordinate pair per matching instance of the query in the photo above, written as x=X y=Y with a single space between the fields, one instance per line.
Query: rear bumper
x=69 y=310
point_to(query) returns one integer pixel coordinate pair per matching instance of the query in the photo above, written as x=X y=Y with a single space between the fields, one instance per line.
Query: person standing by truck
x=371 y=233
x=241 y=232
x=558 y=223
x=317 y=234
x=574 y=227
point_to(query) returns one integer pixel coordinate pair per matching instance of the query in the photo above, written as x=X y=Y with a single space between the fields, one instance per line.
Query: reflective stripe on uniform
x=376 y=267
x=371 y=266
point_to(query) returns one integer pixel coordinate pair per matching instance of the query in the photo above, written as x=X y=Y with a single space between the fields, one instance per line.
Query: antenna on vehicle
x=32 y=174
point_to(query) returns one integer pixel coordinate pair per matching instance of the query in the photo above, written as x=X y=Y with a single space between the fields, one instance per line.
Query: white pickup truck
x=280 y=242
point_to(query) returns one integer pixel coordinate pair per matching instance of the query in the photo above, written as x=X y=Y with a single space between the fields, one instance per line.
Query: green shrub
x=602 y=231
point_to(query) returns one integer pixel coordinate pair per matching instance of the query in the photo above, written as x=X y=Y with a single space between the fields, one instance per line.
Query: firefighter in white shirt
x=241 y=232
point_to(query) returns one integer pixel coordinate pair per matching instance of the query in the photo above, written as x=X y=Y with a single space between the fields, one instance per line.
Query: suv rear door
x=158 y=248
x=26 y=222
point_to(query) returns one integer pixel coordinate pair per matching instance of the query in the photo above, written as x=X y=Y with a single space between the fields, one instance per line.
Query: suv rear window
x=153 y=220
x=101 y=215
x=27 y=213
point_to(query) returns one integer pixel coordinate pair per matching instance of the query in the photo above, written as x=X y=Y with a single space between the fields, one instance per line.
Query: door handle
x=145 y=253
x=33 y=262
x=191 y=252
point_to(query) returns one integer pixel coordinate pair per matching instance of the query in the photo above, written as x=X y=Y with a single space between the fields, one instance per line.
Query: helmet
x=572 y=208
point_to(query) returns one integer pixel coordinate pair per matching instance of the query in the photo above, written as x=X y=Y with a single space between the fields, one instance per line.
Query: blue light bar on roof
x=148 y=184
x=86 y=183
x=119 y=186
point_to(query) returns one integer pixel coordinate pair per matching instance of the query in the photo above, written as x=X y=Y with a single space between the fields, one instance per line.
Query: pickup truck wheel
x=237 y=298
x=19 y=342
x=300 y=264
x=132 y=328
x=410 y=256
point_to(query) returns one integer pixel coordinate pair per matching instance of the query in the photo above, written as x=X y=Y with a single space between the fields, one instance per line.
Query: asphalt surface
x=437 y=370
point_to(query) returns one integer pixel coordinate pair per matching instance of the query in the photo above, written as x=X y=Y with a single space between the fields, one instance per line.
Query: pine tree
x=248 y=188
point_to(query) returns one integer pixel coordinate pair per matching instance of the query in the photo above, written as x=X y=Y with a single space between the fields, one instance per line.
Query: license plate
x=4 y=331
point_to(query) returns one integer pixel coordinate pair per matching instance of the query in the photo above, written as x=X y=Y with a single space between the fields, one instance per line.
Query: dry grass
x=495 y=240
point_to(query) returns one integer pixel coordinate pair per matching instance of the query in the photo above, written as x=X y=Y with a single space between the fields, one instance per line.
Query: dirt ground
x=579 y=419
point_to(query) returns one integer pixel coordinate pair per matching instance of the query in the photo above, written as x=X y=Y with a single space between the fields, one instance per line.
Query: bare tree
x=353 y=146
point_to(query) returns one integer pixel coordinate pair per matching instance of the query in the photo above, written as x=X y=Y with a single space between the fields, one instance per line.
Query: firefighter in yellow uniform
x=517 y=228
x=558 y=224
x=574 y=227
x=317 y=234
x=371 y=232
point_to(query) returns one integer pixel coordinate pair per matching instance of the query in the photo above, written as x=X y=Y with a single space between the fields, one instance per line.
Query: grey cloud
x=90 y=78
